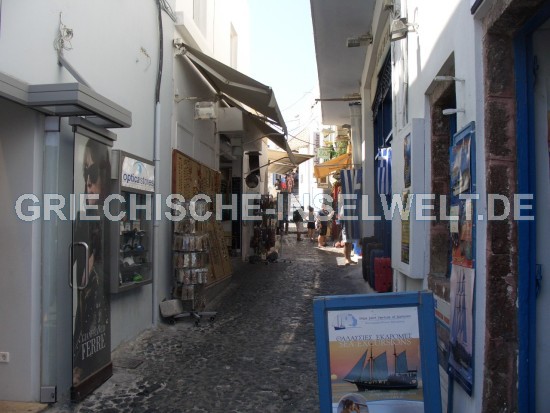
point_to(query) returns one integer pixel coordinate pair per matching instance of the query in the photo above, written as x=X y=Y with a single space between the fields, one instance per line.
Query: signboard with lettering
x=375 y=351
x=137 y=174
x=324 y=153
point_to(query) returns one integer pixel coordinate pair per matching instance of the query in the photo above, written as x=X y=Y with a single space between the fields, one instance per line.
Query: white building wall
x=115 y=49
x=20 y=169
x=444 y=30
x=117 y=59
x=197 y=138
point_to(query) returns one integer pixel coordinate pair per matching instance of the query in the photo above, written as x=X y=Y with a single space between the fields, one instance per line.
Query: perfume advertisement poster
x=462 y=330
x=90 y=256
x=461 y=233
x=460 y=166
x=375 y=353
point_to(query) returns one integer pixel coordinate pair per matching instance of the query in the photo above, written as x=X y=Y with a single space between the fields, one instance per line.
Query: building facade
x=458 y=92
x=101 y=95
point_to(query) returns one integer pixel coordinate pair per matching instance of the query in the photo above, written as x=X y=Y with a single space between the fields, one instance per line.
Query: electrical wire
x=161 y=52
x=297 y=100
x=164 y=5
x=63 y=39
x=300 y=128
x=298 y=139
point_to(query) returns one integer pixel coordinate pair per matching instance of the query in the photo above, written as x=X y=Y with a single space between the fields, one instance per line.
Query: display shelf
x=130 y=236
x=191 y=262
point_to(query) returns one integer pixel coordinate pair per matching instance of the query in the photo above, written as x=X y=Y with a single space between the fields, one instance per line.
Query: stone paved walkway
x=257 y=356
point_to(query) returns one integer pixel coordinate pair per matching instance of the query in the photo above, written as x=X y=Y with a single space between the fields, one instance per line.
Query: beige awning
x=334 y=164
x=239 y=90
x=236 y=85
x=274 y=136
x=279 y=162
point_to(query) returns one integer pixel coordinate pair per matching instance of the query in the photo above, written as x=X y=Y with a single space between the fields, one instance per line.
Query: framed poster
x=460 y=165
x=462 y=326
x=463 y=246
x=462 y=233
x=376 y=352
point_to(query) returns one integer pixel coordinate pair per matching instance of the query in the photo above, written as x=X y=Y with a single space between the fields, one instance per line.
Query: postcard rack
x=191 y=262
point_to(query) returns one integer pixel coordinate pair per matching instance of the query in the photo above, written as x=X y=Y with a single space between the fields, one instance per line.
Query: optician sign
x=137 y=174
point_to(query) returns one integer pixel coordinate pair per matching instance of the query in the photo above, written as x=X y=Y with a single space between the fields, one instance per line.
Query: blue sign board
x=377 y=353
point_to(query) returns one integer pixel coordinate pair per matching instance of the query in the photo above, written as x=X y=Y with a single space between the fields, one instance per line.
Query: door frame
x=94 y=379
x=526 y=180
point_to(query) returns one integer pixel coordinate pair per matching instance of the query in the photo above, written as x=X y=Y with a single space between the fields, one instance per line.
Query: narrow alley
x=257 y=356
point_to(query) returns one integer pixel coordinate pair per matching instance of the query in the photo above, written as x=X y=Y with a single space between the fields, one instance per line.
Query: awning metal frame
x=66 y=100
x=266 y=116
x=213 y=70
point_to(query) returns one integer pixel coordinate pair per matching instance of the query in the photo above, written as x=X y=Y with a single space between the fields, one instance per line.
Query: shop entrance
x=76 y=331
x=90 y=258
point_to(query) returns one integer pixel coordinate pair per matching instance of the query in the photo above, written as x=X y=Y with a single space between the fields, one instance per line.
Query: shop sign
x=136 y=174
x=324 y=153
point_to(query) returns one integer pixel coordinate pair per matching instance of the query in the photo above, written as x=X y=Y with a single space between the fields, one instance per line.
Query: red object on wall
x=382 y=274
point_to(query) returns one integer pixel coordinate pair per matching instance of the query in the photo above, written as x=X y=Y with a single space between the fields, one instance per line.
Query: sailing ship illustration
x=339 y=325
x=343 y=321
x=371 y=373
x=459 y=332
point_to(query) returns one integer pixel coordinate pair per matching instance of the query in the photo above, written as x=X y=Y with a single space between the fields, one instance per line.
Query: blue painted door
x=541 y=118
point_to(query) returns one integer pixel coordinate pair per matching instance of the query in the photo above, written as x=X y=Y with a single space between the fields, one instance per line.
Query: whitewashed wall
x=444 y=29
x=115 y=49
x=20 y=169
x=447 y=29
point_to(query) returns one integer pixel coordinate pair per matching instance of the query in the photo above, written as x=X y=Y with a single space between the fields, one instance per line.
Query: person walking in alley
x=348 y=245
x=299 y=221
x=323 y=216
x=290 y=182
x=310 y=223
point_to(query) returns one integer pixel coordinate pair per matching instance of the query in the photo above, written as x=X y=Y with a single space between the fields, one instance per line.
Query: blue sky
x=282 y=52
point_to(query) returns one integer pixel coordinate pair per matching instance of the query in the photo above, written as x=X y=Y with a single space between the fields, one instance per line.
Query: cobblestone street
x=257 y=356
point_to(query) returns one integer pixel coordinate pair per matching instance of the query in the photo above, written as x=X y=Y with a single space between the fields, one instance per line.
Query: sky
x=282 y=52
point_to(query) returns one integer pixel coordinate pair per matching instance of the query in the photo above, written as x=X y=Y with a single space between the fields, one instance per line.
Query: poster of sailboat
x=461 y=326
x=378 y=357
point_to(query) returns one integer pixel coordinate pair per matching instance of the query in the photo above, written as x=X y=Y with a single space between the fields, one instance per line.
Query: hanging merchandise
x=336 y=189
x=352 y=181
x=383 y=180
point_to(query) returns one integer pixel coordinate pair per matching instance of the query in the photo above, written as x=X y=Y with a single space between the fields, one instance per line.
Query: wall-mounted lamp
x=206 y=110
x=399 y=29
x=448 y=79
x=359 y=40
x=452 y=111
